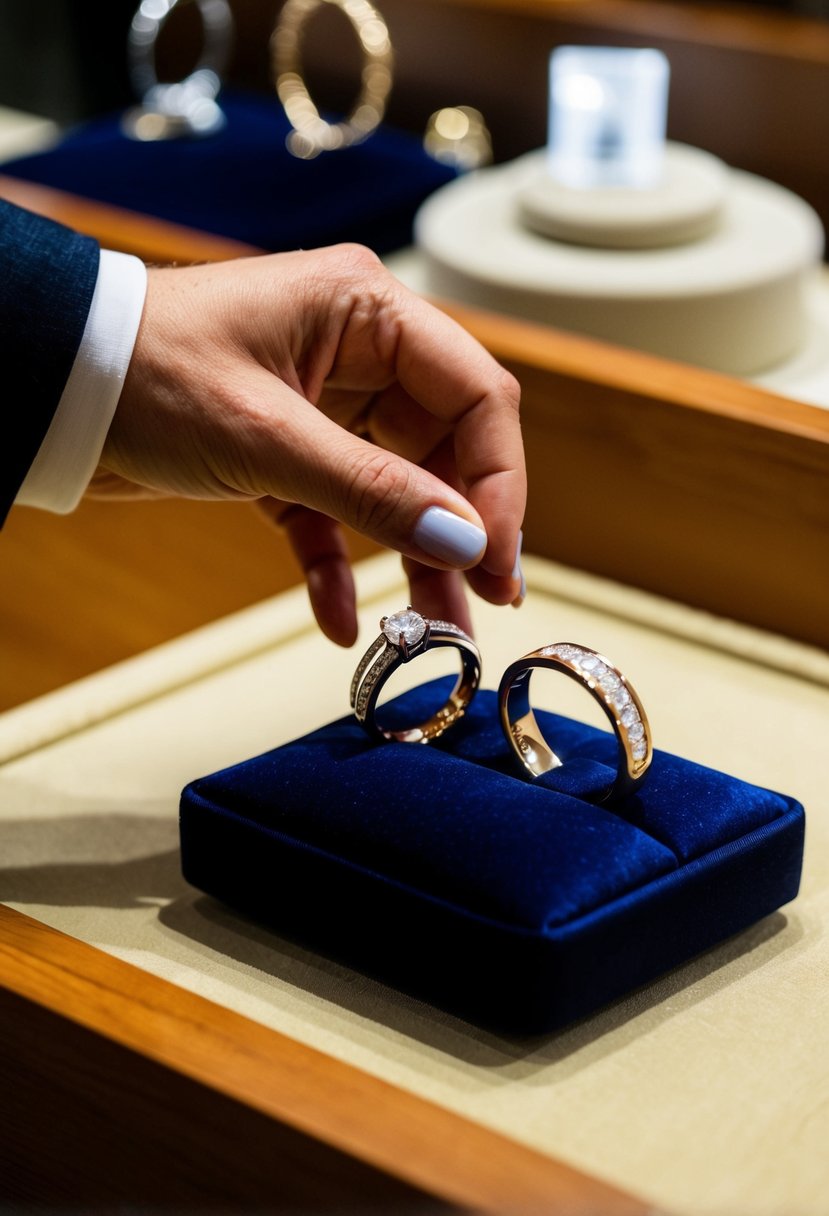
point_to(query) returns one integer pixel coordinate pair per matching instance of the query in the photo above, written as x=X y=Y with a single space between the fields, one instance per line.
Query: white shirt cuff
x=72 y=446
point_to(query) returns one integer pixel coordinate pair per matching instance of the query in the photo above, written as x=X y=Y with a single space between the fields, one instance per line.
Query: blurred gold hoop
x=311 y=134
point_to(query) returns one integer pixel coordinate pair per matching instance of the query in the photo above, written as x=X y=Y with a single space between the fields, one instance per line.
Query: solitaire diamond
x=406 y=625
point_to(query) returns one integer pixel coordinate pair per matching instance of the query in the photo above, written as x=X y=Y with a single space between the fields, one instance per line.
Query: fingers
x=403 y=506
x=457 y=380
x=391 y=334
x=438 y=594
x=297 y=454
x=390 y=418
x=320 y=549
x=453 y=378
x=497 y=589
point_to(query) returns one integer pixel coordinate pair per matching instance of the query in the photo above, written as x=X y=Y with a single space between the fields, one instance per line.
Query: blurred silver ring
x=187 y=106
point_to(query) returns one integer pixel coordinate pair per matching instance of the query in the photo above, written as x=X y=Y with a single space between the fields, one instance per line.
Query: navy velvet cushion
x=440 y=869
x=243 y=183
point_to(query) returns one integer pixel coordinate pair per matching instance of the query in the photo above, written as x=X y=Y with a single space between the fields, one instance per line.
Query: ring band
x=184 y=107
x=608 y=686
x=404 y=636
x=311 y=134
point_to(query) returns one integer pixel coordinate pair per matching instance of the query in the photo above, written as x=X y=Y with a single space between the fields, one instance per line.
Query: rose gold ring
x=607 y=685
x=405 y=635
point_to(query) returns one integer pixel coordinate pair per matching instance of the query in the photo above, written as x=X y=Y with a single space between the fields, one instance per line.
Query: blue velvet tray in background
x=438 y=869
x=243 y=183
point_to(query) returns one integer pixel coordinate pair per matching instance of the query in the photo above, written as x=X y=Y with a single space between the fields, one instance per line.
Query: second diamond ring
x=607 y=685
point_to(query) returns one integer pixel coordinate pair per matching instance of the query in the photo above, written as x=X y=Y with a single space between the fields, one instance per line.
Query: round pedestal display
x=731 y=296
x=687 y=204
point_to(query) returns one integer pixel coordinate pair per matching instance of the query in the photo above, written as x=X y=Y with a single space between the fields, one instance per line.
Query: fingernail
x=517 y=572
x=448 y=537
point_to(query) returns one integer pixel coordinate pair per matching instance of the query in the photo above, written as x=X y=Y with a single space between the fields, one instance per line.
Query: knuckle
x=357 y=259
x=379 y=486
x=363 y=293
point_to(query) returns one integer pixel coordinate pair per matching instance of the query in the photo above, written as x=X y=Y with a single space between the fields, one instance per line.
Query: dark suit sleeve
x=47 y=279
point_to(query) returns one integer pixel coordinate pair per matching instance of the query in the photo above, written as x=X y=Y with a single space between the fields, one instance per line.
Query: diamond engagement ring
x=607 y=685
x=404 y=636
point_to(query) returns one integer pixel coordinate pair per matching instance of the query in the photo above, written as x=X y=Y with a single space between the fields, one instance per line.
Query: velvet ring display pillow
x=440 y=870
x=243 y=183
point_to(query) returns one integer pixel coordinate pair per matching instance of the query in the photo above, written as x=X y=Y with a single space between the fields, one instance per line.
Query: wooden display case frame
x=681 y=481
x=120 y=1087
x=694 y=485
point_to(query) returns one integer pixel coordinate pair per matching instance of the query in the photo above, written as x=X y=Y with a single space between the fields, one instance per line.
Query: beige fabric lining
x=705 y=1092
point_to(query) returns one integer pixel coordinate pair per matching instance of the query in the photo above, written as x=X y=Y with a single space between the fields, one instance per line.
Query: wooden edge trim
x=507 y=338
x=388 y=1128
x=153 y=240
x=640 y=374
x=780 y=35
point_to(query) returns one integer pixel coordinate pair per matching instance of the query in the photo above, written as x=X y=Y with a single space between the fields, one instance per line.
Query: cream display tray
x=703 y=1093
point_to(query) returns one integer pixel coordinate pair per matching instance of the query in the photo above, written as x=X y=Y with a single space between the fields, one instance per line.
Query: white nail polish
x=449 y=537
x=517 y=572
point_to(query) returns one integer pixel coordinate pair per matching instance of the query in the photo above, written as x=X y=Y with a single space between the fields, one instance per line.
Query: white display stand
x=23 y=134
x=735 y=297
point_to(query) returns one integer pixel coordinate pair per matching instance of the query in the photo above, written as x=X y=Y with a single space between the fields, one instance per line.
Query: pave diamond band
x=608 y=686
x=404 y=635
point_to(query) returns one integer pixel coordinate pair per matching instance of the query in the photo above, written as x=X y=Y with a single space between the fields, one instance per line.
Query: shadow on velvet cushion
x=440 y=870
x=244 y=184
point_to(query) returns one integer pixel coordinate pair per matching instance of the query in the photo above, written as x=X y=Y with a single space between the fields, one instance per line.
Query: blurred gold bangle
x=311 y=134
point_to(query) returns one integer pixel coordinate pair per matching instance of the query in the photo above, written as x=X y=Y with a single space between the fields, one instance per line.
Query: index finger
x=451 y=375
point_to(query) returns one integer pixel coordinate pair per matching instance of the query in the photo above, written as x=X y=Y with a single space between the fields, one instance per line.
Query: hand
x=259 y=378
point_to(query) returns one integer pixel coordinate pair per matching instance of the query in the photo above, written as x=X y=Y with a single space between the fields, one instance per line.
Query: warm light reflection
x=458 y=135
x=452 y=123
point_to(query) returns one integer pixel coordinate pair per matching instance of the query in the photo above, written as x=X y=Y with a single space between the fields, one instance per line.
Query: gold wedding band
x=311 y=134
x=405 y=635
x=609 y=688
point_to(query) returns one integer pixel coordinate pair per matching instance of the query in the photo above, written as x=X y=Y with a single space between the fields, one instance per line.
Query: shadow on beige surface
x=129 y=859
x=220 y=930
